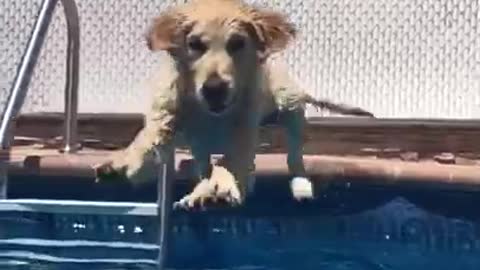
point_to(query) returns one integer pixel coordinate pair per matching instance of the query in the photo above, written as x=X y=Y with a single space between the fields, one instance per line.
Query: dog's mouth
x=217 y=101
x=217 y=108
x=221 y=108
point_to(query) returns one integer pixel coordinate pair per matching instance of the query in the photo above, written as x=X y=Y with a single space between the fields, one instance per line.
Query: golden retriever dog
x=215 y=86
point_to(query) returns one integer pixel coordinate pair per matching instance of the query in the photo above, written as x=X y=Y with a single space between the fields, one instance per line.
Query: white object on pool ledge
x=79 y=207
x=302 y=188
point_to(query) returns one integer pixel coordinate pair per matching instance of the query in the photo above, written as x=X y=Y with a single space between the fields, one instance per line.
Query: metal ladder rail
x=165 y=176
x=17 y=96
x=24 y=74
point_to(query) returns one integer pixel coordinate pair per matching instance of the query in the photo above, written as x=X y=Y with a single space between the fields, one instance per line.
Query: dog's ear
x=271 y=30
x=164 y=32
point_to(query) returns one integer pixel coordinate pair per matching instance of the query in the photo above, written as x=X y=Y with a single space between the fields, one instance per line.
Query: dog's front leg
x=136 y=162
x=293 y=121
x=239 y=159
x=203 y=190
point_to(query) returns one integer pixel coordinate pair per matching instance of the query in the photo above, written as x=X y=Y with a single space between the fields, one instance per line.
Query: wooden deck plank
x=336 y=136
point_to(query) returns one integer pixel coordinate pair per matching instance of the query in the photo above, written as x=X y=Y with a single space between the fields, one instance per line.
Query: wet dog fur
x=215 y=85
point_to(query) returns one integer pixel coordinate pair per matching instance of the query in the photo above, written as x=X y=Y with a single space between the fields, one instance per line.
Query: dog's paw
x=202 y=192
x=302 y=188
x=107 y=171
x=220 y=188
x=134 y=171
x=225 y=186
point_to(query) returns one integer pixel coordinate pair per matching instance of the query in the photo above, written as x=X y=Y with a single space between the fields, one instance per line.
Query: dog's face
x=222 y=43
x=219 y=55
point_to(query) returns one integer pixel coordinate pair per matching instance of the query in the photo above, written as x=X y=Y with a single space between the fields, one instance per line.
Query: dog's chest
x=208 y=132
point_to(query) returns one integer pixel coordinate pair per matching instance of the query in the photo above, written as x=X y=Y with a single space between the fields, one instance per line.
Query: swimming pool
x=351 y=227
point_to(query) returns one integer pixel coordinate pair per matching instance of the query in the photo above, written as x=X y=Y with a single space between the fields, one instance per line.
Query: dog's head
x=222 y=43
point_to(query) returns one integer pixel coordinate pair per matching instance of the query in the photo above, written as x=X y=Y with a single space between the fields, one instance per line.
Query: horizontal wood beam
x=334 y=135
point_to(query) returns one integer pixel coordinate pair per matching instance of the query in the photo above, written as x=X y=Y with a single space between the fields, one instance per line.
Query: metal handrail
x=17 y=96
x=165 y=173
x=72 y=77
x=24 y=74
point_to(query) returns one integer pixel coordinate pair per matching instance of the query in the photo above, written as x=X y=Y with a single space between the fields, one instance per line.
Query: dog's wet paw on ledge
x=105 y=172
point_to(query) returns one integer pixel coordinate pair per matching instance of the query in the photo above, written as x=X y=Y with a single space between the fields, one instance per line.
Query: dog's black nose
x=215 y=92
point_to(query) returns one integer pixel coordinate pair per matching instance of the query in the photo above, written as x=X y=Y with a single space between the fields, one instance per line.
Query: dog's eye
x=196 y=44
x=235 y=44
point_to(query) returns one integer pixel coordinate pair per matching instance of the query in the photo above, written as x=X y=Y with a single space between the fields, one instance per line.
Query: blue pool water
x=346 y=229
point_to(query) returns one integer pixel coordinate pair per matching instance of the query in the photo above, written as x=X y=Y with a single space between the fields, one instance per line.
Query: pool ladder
x=18 y=93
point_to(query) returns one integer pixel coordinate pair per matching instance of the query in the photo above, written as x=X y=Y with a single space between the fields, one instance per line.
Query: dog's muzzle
x=215 y=92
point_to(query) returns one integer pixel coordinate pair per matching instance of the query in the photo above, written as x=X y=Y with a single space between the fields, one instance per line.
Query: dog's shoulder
x=164 y=75
x=278 y=78
x=164 y=84
x=280 y=84
x=276 y=72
